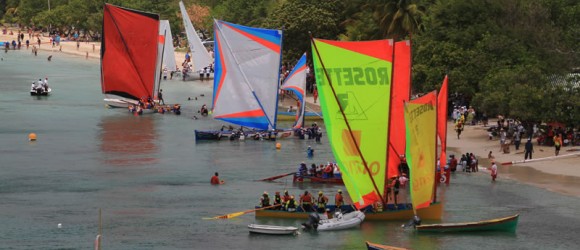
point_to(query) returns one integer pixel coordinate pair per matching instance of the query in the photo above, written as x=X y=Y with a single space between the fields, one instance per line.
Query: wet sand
x=560 y=174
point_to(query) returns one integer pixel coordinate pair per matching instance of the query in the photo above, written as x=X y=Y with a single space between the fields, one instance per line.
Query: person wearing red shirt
x=215 y=180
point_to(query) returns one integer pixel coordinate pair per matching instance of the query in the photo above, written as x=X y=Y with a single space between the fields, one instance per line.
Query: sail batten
x=246 y=75
x=354 y=83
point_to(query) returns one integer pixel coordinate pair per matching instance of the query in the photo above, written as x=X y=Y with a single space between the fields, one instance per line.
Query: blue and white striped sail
x=246 y=75
x=199 y=54
x=296 y=82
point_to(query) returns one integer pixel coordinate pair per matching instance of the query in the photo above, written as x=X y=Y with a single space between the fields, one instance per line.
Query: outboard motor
x=416 y=221
x=312 y=223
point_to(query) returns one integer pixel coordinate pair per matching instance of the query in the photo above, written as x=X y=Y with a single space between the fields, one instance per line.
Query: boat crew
x=277 y=201
x=321 y=202
x=290 y=204
x=338 y=199
x=265 y=200
x=45 y=84
x=306 y=202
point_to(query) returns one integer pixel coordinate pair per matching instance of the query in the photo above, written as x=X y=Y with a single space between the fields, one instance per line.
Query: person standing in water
x=215 y=180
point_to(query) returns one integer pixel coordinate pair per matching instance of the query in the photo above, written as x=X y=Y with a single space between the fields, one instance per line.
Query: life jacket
x=338 y=200
x=322 y=201
x=277 y=200
x=286 y=198
x=306 y=199
x=265 y=201
x=291 y=203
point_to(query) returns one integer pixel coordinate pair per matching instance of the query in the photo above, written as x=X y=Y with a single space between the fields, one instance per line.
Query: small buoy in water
x=32 y=137
x=278 y=145
x=59 y=225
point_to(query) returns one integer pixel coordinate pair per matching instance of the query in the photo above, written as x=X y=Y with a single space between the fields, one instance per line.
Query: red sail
x=442 y=122
x=128 y=52
x=400 y=94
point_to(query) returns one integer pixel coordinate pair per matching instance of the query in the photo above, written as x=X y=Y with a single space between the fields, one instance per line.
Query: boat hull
x=349 y=220
x=274 y=230
x=119 y=103
x=314 y=179
x=507 y=224
x=40 y=93
x=374 y=246
x=405 y=212
x=291 y=116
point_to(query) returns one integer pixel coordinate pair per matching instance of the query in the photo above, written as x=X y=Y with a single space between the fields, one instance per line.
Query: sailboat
x=199 y=54
x=246 y=79
x=354 y=83
x=296 y=82
x=169 y=50
x=131 y=55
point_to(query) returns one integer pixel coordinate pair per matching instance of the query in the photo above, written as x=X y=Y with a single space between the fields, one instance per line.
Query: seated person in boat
x=321 y=202
x=290 y=204
x=328 y=171
x=312 y=170
x=302 y=170
x=337 y=173
x=306 y=202
x=286 y=197
x=320 y=170
x=265 y=200
x=277 y=201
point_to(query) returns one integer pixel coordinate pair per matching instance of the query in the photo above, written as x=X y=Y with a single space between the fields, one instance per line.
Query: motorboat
x=40 y=91
x=338 y=222
x=271 y=229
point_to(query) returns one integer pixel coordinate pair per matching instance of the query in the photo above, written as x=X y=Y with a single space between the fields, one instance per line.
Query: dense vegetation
x=510 y=57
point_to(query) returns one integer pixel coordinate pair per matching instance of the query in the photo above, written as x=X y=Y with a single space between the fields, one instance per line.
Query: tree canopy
x=513 y=57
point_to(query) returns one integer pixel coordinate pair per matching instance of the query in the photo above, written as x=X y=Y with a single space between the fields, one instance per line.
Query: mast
x=160 y=70
x=389 y=122
x=346 y=121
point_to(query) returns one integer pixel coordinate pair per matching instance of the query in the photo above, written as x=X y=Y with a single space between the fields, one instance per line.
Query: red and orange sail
x=442 y=123
x=401 y=90
x=129 y=52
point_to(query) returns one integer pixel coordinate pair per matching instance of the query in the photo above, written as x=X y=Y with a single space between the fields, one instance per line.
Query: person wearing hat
x=493 y=170
x=277 y=201
x=306 y=202
x=321 y=202
x=265 y=200
x=338 y=199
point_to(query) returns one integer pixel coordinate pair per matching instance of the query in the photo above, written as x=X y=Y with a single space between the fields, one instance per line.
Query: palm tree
x=398 y=18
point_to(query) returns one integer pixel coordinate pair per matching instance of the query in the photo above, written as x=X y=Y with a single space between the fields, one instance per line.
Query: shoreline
x=560 y=175
x=557 y=174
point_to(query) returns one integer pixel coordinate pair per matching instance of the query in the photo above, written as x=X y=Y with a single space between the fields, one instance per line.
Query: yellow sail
x=421 y=122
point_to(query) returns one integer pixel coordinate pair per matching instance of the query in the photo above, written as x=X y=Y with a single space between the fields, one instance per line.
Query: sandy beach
x=561 y=174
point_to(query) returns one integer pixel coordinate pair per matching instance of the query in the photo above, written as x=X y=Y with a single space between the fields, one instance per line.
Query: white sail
x=199 y=54
x=169 y=53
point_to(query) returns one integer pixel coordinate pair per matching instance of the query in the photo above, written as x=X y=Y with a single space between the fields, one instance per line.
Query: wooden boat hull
x=270 y=229
x=507 y=224
x=314 y=179
x=374 y=246
x=404 y=212
x=291 y=116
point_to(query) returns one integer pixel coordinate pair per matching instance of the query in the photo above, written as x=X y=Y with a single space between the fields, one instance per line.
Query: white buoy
x=59 y=225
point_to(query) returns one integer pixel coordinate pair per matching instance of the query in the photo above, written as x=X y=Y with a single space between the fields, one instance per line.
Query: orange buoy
x=278 y=145
x=32 y=137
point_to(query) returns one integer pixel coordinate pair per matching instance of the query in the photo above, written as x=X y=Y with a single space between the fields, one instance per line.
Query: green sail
x=360 y=73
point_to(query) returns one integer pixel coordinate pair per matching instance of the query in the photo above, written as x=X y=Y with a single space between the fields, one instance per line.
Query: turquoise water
x=151 y=179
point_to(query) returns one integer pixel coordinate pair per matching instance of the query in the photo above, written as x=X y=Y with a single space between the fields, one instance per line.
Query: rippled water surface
x=151 y=179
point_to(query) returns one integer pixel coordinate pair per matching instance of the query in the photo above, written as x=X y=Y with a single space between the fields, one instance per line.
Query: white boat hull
x=34 y=92
x=270 y=229
x=119 y=103
x=346 y=221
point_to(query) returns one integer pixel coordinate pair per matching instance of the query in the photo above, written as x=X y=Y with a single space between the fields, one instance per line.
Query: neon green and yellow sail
x=360 y=74
x=421 y=122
